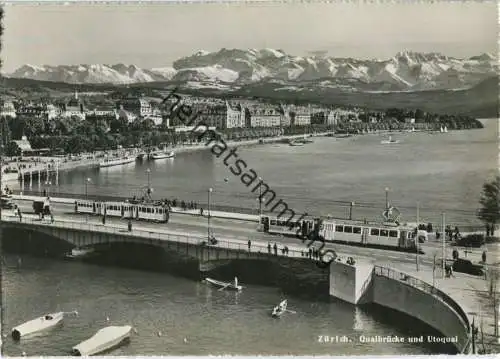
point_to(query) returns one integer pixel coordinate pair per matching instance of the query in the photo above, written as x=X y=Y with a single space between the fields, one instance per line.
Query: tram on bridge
x=388 y=235
x=154 y=211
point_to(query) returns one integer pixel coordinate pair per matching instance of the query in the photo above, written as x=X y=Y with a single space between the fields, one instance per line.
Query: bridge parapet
x=85 y=234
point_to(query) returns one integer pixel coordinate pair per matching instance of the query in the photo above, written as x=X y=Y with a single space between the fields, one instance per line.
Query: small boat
x=38 y=325
x=105 y=339
x=80 y=253
x=279 y=309
x=390 y=141
x=295 y=143
x=225 y=285
x=116 y=161
x=162 y=154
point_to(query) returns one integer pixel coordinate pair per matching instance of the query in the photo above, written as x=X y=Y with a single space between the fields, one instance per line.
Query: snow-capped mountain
x=236 y=68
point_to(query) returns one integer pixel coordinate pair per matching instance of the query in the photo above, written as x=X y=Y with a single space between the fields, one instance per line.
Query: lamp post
x=48 y=183
x=87 y=181
x=260 y=197
x=386 y=197
x=209 y=214
x=149 y=190
x=444 y=245
x=350 y=210
x=417 y=241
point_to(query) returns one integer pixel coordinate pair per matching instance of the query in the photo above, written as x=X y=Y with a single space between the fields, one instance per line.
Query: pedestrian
x=103 y=220
x=269 y=247
x=249 y=244
x=201 y=212
x=19 y=214
x=286 y=250
x=51 y=218
x=483 y=257
x=129 y=225
x=275 y=249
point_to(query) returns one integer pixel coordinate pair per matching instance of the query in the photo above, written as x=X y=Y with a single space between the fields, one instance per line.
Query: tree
x=489 y=213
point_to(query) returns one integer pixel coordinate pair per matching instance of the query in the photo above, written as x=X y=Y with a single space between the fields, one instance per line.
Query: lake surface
x=442 y=172
x=213 y=322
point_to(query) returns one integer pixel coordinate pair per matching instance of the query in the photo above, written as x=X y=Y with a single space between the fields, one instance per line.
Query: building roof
x=24 y=145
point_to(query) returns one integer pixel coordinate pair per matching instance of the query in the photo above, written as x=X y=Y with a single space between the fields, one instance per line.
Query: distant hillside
x=481 y=100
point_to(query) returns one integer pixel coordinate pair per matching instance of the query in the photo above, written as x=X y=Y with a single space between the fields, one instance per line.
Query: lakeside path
x=38 y=164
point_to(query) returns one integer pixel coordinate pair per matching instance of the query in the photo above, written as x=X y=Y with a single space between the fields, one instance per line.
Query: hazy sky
x=154 y=35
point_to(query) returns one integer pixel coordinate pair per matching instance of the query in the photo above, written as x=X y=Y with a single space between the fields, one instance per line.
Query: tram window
x=356 y=230
x=374 y=232
x=273 y=222
x=384 y=233
x=262 y=220
x=347 y=229
x=339 y=228
x=393 y=234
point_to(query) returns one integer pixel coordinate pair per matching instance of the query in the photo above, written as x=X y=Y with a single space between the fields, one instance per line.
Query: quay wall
x=351 y=283
x=423 y=302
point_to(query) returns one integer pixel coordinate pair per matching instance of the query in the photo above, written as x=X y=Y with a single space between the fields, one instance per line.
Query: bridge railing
x=425 y=287
x=168 y=236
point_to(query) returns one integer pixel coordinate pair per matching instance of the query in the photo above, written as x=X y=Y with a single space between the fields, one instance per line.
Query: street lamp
x=87 y=181
x=350 y=209
x=209 y=214
x=48 y=183
x=260 y=197
x=148 y=171
x=386 y=197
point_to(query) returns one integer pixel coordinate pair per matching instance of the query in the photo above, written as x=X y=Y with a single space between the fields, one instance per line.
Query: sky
x=155 y=35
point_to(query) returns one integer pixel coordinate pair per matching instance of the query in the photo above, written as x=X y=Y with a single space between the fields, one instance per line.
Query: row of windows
x=342 y=228
x=126 y=208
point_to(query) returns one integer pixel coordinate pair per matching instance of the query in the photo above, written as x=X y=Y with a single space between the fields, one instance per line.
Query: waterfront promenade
x=470 y=293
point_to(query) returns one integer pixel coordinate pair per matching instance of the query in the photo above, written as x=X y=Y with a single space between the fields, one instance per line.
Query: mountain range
x=238 y=70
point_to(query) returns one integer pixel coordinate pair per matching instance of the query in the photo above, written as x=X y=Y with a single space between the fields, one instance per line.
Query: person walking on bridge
x=249 y=244
x=129 y=225
x=275 y=247
x=269 y=247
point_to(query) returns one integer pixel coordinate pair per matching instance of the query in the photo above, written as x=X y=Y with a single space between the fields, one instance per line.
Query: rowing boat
x=37 y=325
x=225 y=285
x=105 y=339
x=279 y=309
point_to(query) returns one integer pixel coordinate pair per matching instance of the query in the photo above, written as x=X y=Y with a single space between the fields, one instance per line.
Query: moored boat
x=389 y=141
x=279 y=309
x=105 y=339
x=40 y=324
x=162 y=154
x=80 y=253
x=116 y=161
x=295 y=143
x=225 y=285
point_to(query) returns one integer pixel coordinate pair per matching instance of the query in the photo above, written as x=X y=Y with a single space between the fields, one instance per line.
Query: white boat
x=389 y=141
x=295 y=143
x=279 y=309
x=105 y=339
x=225 y=285
x=38 y=325
x=162 y=154
x=80 y=252
x=116 y=161
x=445 y=129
